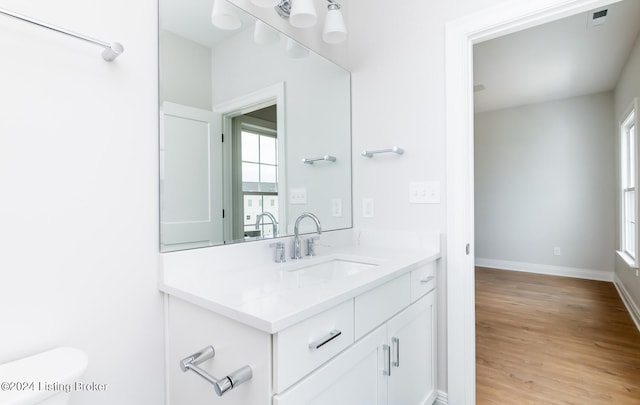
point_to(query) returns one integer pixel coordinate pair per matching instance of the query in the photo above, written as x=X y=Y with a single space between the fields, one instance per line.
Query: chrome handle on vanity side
x=311 y=250
x=222 y=385
x=387 y=360
x=427 y=280
x=316 y=344
x=396 y=345
x=279 y=255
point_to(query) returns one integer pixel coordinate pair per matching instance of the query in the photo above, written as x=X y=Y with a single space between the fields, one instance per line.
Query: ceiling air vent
x=598 y=17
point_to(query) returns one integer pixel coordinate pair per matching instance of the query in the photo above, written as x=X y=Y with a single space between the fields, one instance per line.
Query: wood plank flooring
x=553 y=340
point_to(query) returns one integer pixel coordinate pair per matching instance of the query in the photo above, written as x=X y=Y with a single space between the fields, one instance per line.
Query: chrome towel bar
x=111 y=51
x=327 y=158
x=243 y=374
x=370 y=153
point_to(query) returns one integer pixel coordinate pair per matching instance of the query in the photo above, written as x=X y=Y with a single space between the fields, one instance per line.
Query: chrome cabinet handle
x=387 y=360
x=427 y=280
x=396 y=345
x=316 y=344
x=222 y=385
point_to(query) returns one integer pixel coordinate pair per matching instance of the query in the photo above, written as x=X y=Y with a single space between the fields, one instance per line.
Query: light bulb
x=335 y=31
x=303 y=14
x=225 y=16
x=264 y=34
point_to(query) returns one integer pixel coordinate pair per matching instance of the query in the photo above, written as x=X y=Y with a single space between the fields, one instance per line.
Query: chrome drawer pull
x=316 y=344
x=387 y=360
x=396 y=344
x=427 y=280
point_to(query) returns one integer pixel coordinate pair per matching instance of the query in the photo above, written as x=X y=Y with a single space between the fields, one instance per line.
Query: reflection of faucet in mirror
x=273 y=222
x=297 y=251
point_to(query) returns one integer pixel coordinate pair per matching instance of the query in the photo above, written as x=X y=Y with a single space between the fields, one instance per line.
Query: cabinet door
x=411 y=338
x=352 y=378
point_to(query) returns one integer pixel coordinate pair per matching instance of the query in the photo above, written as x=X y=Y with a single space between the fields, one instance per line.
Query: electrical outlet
x=336 y=207
x=367 y=208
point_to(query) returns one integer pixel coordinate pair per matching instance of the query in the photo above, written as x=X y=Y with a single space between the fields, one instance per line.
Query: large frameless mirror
x=255 y=129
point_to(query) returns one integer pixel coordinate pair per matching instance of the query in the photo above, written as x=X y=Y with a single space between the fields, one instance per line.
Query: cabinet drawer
x=303 y=347
x=376 y=306
x=423 y=280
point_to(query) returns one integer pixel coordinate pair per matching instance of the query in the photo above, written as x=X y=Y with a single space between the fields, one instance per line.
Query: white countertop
x=271 y=297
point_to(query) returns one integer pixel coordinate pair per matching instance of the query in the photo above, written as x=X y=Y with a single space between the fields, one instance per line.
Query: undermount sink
x=328 y=269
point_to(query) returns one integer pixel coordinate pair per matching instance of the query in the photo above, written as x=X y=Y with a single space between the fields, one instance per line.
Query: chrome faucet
x=296 y=250
x=273 y=222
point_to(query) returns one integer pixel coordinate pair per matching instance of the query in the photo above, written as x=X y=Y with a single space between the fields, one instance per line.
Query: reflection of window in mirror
x=255 y=151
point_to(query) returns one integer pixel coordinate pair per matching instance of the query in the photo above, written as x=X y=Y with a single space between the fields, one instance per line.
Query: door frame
x=274 y=94
x=461 y=35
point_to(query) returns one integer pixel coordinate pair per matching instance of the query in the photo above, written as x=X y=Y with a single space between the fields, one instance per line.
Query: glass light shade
x=303 y=14
x=295 y=50
x=264 y=34
x=335 y=31
x=225 y=16
x=266 y=3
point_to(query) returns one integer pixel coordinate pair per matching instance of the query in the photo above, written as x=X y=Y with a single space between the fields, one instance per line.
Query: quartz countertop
x=273 y=296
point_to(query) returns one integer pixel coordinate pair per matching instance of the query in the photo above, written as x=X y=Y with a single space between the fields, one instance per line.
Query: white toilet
x=47 y=378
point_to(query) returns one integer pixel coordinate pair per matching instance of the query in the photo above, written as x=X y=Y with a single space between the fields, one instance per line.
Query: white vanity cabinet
x=411 y=342
x=394 y=364
x=377 y=348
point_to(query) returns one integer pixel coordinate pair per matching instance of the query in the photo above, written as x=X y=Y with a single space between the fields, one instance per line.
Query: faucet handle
x=311 y=250
x=279 y=252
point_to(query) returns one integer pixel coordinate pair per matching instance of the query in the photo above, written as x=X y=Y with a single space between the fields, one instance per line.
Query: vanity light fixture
x=335 y=30
x=302 y=14
x=264 y=34
x=225 y=16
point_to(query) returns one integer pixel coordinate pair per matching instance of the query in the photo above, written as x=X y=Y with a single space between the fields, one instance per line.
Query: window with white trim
x=628 y=187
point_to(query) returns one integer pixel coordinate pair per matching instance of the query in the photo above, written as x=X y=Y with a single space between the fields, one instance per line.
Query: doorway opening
x=461 y=35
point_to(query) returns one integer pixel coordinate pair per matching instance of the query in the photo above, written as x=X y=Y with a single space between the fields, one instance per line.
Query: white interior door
x=190 y=176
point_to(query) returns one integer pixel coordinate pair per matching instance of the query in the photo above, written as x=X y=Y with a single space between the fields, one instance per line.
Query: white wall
x=185 y=71
x=79 y=205
x=627 y=88
x=397 y=58
x=317 y=99
x=545 y=178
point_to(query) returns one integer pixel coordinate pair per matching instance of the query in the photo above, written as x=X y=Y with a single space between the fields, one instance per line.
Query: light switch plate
x=424 y=192
x=298 y=195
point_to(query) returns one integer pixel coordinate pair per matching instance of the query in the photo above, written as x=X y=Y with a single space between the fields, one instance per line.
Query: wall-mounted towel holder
x=229 y=382
x=111 y=50
x=370 y=153
x=327 y=158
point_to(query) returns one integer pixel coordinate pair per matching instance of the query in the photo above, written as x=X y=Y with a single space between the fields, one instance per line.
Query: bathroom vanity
x=354 y=325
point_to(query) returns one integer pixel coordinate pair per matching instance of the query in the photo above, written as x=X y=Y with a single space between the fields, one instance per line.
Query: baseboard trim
x=574 y=272
x=442 y=398
x=628 y=301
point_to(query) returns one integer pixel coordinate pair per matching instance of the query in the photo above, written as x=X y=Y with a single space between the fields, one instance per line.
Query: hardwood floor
x=553 y=340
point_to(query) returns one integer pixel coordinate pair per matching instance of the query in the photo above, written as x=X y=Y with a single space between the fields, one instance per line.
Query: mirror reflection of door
x=255 y=174
x=191 y=193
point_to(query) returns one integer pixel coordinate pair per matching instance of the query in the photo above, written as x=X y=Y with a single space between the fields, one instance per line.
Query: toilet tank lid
x=63 y=365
